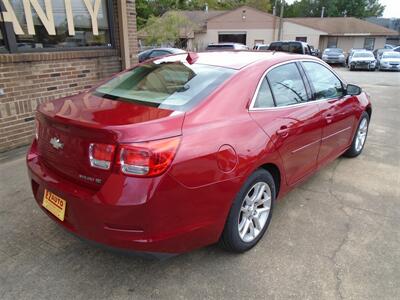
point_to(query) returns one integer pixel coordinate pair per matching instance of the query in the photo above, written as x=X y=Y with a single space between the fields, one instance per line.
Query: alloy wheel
x=361 y=134
x=254 y=211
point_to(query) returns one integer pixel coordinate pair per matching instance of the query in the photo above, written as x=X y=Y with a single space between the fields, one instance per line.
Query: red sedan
x=188 y=150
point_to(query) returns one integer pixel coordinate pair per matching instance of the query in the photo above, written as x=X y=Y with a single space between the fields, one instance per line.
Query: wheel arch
x=368 y=109
x=273 y=169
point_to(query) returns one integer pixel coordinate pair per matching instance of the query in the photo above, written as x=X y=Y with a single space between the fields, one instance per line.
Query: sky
x=392 y=9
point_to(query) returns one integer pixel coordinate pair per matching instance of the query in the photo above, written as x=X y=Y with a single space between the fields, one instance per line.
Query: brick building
x=51 y=49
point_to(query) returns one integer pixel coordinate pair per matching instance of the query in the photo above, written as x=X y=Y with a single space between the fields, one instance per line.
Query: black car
x=291 y=47
x=156 y=52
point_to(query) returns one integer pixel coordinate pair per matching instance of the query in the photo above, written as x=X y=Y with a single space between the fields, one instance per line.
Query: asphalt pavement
x=337 y=236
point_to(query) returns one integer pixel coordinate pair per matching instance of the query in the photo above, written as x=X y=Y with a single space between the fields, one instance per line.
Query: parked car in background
x=351 y=52
x=226 y=46
x=389 y=46
x=181 y=152
x=389 y=61
x=315 y=52
x=261 y=47
x=333 y=56
x=397 y=49
x=378 y=52
x=291 y=47
x=156 y=52
x=362 y=60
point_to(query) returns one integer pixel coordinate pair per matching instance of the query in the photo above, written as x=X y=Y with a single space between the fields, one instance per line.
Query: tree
x=335 y=8
x=167 y=29
x=147 y=8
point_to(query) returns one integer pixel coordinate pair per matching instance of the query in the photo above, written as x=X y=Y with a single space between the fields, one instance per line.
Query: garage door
x=232 y=37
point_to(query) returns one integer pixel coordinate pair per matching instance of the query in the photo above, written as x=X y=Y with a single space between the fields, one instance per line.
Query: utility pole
x=281 y=20
x=322 y=12
x=274 y=8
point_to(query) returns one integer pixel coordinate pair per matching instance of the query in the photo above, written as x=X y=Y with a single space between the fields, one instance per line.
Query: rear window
x=296 y=48
x=164 y=84
x=391 y=55
x=275 y=46
x=333 y=50
x=363 y=54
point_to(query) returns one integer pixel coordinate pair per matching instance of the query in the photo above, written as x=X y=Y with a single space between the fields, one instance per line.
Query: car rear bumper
x=334 y=60
x=152 y=215
x=363 y=66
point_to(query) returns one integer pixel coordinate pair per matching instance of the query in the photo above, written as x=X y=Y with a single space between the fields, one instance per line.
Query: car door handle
x=283 y=131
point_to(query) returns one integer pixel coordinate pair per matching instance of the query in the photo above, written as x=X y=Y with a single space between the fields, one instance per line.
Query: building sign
x=46 y=16
x=55 y=24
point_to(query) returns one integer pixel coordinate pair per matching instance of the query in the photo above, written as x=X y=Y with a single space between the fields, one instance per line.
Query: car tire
x=360 y=137
x=250 y=214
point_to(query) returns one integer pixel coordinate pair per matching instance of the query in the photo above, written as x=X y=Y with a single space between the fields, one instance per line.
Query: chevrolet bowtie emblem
x=56 y=143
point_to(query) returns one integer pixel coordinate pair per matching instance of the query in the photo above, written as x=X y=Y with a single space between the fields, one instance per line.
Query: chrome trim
x=335 y=133
x=95 y=163
x=305 y=146
x=56 y=143
x=253 y=100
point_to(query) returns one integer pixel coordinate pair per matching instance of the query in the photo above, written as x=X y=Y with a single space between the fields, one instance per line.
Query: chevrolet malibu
x=192 y=149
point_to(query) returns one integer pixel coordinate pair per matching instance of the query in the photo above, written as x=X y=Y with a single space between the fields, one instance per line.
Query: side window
x=325 y=83
x=296 y=48
x=157 y=53
x=275 y=46
x=264 y=97
x=285 y=47
x=287 y=85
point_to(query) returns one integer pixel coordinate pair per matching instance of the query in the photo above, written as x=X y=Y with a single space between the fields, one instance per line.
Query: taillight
x=101 y=155
x=37 y=124
x=148 y=158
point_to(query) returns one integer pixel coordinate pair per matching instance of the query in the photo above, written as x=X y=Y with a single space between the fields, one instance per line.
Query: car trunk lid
x=68 y=126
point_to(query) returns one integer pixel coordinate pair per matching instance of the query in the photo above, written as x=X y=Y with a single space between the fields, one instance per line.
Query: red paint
x=221 y=144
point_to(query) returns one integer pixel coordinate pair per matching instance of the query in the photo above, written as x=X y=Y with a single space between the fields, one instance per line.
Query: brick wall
x=32 y=78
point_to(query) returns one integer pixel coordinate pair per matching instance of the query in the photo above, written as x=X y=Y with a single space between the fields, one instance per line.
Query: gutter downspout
x=123 y=34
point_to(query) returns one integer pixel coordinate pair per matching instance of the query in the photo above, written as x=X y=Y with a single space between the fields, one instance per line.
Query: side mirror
x=353 y=90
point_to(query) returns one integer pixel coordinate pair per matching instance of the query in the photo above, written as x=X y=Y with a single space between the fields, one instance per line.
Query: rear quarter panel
x=223 y=120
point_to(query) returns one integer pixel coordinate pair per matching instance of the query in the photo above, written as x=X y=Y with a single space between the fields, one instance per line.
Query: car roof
x=235 y=59
x=390 y=52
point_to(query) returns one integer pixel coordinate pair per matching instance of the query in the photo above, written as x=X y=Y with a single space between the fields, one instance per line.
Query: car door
x=281 y=107
x=337 y=110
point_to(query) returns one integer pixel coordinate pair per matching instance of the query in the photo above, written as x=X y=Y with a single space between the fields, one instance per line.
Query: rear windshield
x=391 y=55
x=363 y=54
x=334 y=50
x=168 y=85
x=292 y=47
x=275 y=46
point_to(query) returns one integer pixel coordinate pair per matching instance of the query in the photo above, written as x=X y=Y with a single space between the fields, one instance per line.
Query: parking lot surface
x=337 y=236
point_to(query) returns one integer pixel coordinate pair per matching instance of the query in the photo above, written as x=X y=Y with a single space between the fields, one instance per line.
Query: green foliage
x=147 y=8
x=335 y=8
x=167 y=29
